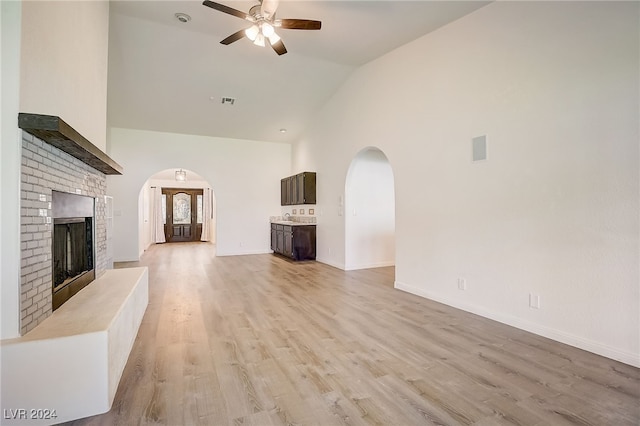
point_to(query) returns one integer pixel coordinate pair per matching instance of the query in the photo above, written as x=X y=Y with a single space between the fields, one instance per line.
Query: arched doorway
x=369 y=211
x=155 y=203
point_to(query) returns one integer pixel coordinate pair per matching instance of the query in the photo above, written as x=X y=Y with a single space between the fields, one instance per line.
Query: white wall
x=554 y=209
x=10 y=153
x=245 y=176
x=369 y=212
x=64 y=63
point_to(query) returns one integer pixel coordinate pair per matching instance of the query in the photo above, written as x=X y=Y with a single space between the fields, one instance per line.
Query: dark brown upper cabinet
x=298 y=189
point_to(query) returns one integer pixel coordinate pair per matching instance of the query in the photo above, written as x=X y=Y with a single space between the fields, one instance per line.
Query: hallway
x=260 y=340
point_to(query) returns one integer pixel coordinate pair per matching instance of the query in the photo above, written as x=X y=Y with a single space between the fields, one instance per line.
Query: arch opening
x=369 y=211
x=152 y=207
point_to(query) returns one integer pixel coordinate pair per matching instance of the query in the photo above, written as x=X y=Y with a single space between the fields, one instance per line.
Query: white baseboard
x=241 y=253
x=370 y=265
x=550 y=333
x=330 y=262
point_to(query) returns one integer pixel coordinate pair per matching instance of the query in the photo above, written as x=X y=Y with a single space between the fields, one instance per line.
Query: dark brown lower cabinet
x=297 y=242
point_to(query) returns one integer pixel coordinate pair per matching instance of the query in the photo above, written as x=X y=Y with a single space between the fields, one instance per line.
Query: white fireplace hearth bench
x=69 y=366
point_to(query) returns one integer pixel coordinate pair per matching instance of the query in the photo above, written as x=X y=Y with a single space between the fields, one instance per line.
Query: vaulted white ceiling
x=169 y=76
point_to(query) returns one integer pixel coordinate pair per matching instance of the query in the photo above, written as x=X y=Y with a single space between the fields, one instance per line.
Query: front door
x=183 y=223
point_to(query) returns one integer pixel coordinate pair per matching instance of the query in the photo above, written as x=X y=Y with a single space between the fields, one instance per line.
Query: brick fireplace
x=77 y=354
x=54 y=158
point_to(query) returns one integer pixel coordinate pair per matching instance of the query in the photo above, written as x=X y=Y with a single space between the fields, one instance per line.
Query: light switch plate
x=479 y=148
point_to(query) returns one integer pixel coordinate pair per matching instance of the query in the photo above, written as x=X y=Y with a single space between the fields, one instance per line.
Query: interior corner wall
x=64 y=63
x=245 y=176
x=552 y=212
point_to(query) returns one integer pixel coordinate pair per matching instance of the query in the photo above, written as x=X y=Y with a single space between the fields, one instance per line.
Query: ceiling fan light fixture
x=259 y=41
x=274 y=38
x=267 y=29
x=252 y=32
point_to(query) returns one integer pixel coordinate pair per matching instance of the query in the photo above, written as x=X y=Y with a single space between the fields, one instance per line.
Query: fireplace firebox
x=72 y=245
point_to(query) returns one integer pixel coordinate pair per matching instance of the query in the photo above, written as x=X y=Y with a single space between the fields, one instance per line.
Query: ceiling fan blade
x=278 y=47
x=226 y=9
x=268 y=8
x=233 y=37
x=300 y=24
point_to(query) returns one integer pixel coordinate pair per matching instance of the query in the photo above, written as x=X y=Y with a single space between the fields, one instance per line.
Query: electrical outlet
x=534 y=301
x=462 y=284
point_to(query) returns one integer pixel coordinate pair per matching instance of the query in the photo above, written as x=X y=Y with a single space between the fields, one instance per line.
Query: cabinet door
x=283 y=192
x=309 y=188
x=279 y=241
x=288 y=242
x=300 y=195
x=288 y=192
x=274 y=240
x=304 y=242
x=293 y=191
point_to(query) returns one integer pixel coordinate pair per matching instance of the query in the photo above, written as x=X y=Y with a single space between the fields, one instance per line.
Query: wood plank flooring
x=259 y=340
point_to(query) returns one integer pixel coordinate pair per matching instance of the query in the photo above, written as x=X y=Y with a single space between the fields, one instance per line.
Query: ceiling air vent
x=229 y=101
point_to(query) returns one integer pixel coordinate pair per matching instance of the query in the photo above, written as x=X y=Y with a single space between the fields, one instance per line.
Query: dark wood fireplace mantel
x=56 y=132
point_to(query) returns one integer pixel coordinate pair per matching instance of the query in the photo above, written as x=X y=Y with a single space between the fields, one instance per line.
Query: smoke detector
x=182 y=17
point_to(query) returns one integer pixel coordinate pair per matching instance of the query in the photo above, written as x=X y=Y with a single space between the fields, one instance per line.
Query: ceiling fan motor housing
x=256 y=12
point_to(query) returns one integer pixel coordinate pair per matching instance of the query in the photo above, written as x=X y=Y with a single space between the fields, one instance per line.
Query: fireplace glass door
x=72 y=245
x=71 y=250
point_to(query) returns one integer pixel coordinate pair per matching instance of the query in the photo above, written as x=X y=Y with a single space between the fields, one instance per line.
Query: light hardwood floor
x=259 y=340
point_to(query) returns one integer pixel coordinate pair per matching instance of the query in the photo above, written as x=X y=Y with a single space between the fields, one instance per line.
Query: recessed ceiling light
x=182 y=17
x=283 y=130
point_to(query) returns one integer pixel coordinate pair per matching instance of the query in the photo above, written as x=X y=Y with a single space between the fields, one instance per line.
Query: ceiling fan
x=263 y=19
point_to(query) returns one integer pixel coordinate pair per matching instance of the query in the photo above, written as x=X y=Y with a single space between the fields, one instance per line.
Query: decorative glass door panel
x=182 y=209
x=181 y=214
